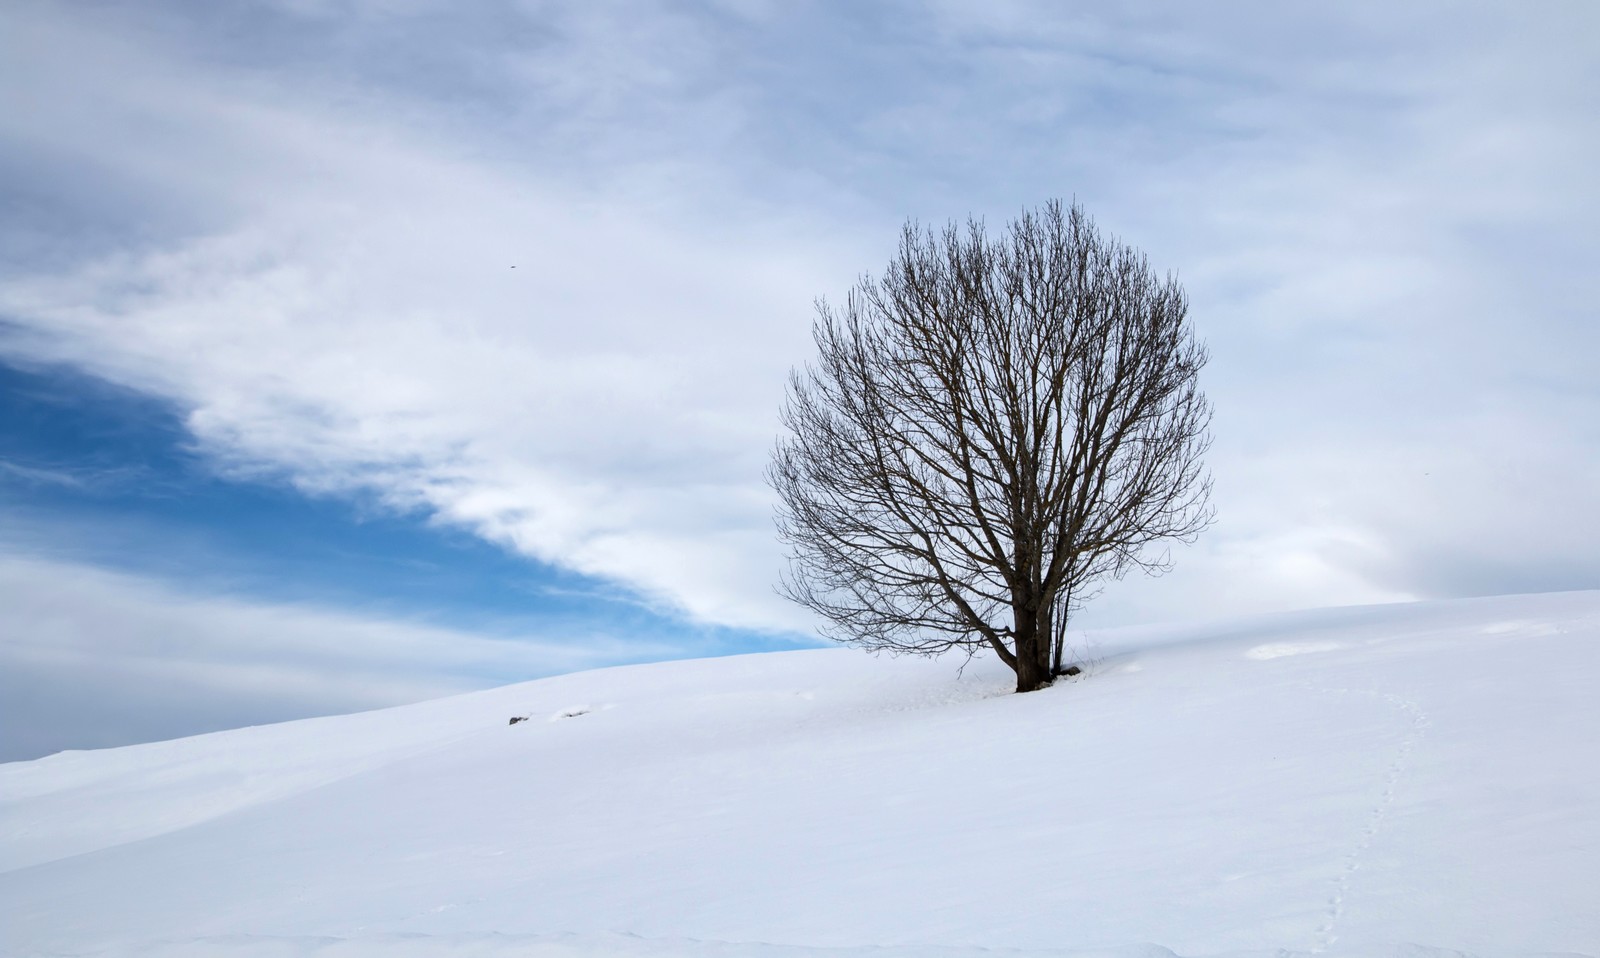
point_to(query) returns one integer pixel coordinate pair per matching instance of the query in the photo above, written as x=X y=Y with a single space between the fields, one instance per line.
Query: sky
x=353 y=353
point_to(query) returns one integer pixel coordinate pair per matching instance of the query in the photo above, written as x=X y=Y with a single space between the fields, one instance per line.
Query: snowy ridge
x=1413 y=780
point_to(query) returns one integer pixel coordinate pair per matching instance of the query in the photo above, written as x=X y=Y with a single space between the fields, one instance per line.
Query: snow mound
x=1413 y=780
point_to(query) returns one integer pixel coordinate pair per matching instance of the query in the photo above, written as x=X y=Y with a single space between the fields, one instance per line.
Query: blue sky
x=356 y=352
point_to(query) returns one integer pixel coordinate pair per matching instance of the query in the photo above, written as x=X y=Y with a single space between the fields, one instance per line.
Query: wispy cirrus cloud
x=91 y=658
x=71 y=478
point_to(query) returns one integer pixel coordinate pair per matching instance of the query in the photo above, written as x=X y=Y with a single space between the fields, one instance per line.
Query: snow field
x=1414 y=780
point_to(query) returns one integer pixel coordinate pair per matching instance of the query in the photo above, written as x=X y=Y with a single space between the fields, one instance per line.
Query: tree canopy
x=990 y=430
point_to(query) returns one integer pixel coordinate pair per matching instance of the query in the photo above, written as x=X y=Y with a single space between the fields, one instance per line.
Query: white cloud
x=554 y=372
x=1384 y=222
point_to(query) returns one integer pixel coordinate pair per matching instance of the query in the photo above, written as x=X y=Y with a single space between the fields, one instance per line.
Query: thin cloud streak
x=91 y=658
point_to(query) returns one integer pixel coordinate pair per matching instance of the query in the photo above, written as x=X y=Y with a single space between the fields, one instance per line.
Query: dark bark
x=990 y=429
x=1033 y=653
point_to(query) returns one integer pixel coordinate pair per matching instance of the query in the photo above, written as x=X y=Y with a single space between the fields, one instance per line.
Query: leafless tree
x=991 y=430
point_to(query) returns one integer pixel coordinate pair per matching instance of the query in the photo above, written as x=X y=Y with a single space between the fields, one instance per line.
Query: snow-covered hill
x=1394 y=780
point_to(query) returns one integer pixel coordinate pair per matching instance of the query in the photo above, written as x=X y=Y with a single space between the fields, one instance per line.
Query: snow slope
x=1396 y=780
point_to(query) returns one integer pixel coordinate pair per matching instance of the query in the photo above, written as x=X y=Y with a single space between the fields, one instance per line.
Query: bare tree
x=991 y=430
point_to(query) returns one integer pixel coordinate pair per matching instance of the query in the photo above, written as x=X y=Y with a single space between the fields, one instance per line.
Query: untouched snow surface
x=1415 y=780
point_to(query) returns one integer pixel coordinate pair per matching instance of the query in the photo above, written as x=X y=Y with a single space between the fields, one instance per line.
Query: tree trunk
x=1033 y=654
x=1059 y=611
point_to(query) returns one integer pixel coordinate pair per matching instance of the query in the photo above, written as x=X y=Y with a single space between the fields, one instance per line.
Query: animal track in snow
x=1327 y=932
